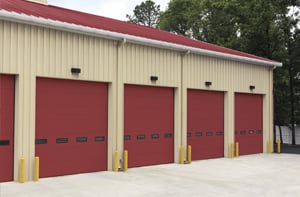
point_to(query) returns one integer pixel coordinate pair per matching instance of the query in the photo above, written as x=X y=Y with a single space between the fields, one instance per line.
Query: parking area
x=253 y=175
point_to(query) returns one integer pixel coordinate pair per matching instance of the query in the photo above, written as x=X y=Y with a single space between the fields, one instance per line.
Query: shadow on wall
x=287 y=134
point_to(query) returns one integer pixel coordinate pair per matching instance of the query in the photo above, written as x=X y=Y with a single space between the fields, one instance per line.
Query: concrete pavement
x=270 y=175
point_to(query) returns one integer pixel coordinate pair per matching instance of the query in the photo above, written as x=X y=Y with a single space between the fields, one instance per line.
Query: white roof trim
x=33 y=20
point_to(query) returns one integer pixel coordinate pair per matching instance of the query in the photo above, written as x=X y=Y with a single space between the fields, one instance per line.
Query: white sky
x=116 y=9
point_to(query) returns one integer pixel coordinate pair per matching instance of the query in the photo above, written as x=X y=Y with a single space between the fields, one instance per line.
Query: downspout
x=119 y=47
x=182 y=85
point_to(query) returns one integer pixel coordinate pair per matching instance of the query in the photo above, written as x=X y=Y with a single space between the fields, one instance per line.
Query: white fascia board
x=38 y=21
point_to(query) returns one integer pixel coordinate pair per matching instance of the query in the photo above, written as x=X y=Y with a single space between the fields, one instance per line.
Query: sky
x=116 y=9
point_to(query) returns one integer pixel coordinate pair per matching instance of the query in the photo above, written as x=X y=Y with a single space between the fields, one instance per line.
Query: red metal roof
x=103 y=23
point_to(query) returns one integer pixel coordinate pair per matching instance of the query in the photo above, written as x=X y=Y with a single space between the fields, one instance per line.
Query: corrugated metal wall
x=225 y=74
x=230 y=77
x=29 y=52
x=136 y=64
x=52 y=53
x=141 y=62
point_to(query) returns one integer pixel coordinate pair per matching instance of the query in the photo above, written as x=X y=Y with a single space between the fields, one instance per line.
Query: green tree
x=219 y=23
x=261 y=27
x=180 y=17
x=147 y=14
x=294 y=74
x=230 y=23
x=296 y=63
x=206 y=20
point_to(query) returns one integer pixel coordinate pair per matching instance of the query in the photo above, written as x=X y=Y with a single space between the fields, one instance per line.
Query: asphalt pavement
x=288 y=148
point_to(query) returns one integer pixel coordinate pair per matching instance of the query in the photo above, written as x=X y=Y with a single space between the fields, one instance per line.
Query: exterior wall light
x=154 y=78
x=251 y=87
x=208 y=83
x=75 y=70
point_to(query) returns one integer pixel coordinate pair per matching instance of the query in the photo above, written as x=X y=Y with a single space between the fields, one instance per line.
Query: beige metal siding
x=231 y=77
x=224 y=74
x=24 y=123
x=53 y=53
x=8 y=51
x=29 y=52
x=62 y=50
x=136 y=64
x=141 y=62
x=268 y=114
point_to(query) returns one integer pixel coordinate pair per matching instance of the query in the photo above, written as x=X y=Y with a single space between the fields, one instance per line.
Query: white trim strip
x=33 y=20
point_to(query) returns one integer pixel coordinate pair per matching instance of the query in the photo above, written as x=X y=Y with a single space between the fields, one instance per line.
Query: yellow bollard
x=125 y=161
x=116 y=161
x=231 y=150
x=237 y=153
x=22 y=170
x=278 y=146
x=181 y=155
x=270 y=147
x=190 y=154
x=36 y=175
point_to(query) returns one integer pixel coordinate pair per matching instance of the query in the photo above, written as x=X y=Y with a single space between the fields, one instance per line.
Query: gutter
x=63 y=26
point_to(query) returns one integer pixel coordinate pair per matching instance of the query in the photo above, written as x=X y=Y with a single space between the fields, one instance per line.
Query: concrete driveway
x=260 y=175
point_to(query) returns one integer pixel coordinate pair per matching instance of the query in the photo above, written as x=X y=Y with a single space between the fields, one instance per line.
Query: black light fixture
x=251 y=87
x=208 y=83
x=75 y=70
x=154 y=78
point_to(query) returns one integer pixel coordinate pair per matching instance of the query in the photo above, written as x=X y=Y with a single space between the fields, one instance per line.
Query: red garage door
x=149 y=125
x=6 y=127
x=71 y=126
x=248 y=123
x=205 y=124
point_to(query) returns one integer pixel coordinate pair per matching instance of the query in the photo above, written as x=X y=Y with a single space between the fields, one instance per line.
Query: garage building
x=75 y=88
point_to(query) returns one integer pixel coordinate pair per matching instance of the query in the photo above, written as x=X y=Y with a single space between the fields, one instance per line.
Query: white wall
x=287 y=134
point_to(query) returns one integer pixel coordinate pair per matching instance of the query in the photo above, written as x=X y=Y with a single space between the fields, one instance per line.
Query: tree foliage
x=295 y=75
x=230 y=23
x=147 y=14
x=178 y=18
x=262 y=27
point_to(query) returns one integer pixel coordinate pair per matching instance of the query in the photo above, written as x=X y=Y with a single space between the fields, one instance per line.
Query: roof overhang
x=63 y=26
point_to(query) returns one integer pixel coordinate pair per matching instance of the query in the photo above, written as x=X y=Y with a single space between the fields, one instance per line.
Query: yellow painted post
x=190 y=154
x=181 y=155
x=270 y=147
x=22 y=170
x=36 y=169
x=116 y=161
x=237 y=153
x=278 y=146
x=125 y=161
x=231 y=150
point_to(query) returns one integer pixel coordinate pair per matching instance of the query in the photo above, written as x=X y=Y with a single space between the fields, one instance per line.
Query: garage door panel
x=207 y=147
x=248 y=123
x=77 y=158
x=6 y=127
x=144 y=153
x=149 y=125
x=205 y=121
x=71 y=159
x=65 y=106
x=72 y=117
